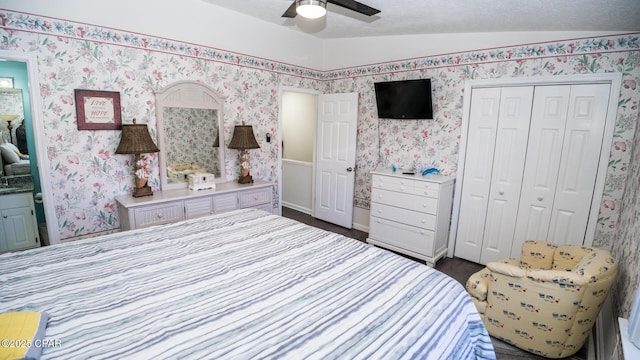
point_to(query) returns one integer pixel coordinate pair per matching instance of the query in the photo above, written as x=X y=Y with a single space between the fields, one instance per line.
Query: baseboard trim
x=360 y=227
x=297 y=208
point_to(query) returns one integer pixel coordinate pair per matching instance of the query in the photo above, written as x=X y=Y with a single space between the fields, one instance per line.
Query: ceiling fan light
x=311 y=9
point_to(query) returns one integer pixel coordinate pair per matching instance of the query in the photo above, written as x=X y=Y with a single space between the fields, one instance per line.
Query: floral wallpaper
x=87 y=175
x=627 y=245
x=189 y=137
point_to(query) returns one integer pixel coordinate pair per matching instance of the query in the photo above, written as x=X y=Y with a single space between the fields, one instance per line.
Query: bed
x=240 y=285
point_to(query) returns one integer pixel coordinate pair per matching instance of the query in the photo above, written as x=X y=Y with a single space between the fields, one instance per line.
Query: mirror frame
x=194 y=95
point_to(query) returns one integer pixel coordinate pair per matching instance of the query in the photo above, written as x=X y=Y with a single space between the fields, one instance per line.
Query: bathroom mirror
x=12 y=117
x=190 y=133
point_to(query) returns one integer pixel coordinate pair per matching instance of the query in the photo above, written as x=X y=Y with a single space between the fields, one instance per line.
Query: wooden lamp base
x=142 y=191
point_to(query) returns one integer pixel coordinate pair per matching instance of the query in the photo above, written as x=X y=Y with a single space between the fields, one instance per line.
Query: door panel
x=508 y=165
x=586 y=119
x=485 y=104
x=546 y=135
x=336 y=158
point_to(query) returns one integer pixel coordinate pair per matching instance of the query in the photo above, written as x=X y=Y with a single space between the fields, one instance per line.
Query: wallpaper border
x=17 y=21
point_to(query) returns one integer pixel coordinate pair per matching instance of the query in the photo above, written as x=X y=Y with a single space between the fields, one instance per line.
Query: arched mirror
x=190 y=133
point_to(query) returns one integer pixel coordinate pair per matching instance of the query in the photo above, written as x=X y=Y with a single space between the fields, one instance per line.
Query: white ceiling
x=404 y=17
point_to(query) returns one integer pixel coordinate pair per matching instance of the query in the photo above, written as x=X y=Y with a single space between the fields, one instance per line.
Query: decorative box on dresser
x=165 y=207
x=411 y=214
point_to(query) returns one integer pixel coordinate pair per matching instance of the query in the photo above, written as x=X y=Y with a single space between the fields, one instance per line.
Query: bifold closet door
x=544 y=151
x=566 y=133
x=496 y=149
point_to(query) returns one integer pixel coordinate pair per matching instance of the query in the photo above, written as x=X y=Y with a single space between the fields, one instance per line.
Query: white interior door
x=508 y=166
x=483 y=121
x=584 y=134
x=335 y=158
x=546 y=135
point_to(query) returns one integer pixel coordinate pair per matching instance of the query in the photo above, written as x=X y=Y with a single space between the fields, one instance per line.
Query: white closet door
x=579 y=166
x=506 y=178
x=546 y=135
x=481 y=139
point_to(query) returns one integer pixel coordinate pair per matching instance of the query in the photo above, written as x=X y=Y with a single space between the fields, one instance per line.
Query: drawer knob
x=159 y=215
x=401 y=188
x=540 y=198
x=4 y=216
x=501 y=193
x=379 y=211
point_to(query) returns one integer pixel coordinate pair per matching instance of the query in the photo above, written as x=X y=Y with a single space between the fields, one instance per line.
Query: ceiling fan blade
x=291 y=11
x=355 y=6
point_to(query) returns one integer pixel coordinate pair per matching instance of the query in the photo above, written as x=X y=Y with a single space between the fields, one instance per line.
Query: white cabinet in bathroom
x=18 y=225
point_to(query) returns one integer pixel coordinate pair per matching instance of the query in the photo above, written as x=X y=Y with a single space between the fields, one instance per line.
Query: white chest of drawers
x=411 y=214
x=165 y=207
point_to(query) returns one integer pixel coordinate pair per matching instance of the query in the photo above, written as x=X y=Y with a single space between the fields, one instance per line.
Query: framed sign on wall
x=98 y=110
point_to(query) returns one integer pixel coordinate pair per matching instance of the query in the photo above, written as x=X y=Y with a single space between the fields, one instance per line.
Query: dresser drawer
x=408 y=186
x=409 y=217
x=403 y=236
x=225 y=202
x=407 y=201
x=254 y=198
x=194 y=208
x=159 y=214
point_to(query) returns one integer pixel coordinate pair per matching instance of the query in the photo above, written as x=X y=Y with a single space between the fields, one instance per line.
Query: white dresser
x=411 y=214
x=165 y=207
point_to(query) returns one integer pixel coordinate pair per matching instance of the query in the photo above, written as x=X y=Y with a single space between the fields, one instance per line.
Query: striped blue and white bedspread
x=240 y=285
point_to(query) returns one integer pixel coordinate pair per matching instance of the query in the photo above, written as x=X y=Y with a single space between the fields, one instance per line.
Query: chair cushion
x=537 y=255
x=513 y=270
x=558 y=277
x=596 y=266
x=566 y=257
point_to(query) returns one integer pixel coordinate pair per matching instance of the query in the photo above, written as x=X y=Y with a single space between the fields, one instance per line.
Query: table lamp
x=244 y=139
x=136 y=140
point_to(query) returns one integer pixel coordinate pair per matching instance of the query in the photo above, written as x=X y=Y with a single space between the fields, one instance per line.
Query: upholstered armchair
x=547 y=301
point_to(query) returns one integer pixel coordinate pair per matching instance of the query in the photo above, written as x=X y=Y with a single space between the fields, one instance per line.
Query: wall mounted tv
x=404 y=99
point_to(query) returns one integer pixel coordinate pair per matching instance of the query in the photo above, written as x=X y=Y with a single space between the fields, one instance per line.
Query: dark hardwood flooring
x=458 y=269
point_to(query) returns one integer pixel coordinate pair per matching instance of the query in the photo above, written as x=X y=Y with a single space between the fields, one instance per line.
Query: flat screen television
x=404 y=99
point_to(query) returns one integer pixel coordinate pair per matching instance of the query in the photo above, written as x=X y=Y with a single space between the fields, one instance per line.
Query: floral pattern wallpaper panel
x=87 y=175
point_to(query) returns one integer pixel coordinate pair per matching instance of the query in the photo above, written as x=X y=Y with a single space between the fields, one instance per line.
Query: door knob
x=349 y=169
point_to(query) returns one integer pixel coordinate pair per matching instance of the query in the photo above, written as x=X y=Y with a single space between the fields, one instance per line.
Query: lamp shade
x=136 y=140
x=243 y=138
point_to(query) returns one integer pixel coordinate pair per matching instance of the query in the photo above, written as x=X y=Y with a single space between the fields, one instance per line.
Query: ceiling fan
x=320 y=6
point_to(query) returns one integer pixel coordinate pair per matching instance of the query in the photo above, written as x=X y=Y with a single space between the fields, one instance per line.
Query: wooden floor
x=458 y=269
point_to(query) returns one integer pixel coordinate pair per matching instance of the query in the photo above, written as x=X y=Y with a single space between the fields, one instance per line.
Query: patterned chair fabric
x=547 y=301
